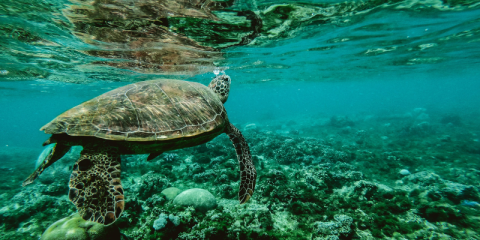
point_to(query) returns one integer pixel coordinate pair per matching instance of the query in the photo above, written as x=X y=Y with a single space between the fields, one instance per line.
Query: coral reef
x=355 y=177
x=160 y=222
x=200 y=199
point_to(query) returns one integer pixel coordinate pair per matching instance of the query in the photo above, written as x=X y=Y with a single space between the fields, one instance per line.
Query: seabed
x=397 y=176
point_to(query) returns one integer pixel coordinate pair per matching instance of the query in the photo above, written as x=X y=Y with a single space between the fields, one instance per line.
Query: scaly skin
x=248 y=174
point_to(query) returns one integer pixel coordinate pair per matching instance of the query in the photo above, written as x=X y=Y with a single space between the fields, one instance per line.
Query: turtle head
x=221 y=86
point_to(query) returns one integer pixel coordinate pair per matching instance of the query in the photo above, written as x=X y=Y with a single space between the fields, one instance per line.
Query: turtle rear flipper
x=95 y=186
x=248 y=174
x=49 y=155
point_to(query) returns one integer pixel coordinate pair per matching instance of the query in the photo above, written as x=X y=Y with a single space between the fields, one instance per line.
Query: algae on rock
x=74 y=227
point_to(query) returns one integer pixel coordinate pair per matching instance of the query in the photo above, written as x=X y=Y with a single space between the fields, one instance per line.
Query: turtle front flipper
x=248 y=174
x=95 y=186
x=49 y=155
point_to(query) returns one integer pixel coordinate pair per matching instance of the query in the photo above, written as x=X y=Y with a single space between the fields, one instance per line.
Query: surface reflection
x=158 y=36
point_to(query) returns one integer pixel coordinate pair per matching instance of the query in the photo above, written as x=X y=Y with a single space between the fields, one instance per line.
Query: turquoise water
x=335 y=99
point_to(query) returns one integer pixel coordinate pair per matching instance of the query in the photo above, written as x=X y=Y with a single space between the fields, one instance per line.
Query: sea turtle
x=146 y=117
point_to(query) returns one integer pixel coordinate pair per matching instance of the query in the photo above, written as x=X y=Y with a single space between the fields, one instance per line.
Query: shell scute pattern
x=152 y=101
x=146 y=111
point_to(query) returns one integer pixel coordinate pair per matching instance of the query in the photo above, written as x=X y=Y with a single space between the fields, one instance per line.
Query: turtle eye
x=226 y=78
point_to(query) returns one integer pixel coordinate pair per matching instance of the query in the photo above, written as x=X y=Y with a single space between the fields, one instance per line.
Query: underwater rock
x=204 y=176
x=423 y=178
x=457 y=192
x=284 y=221
x=445 y=138
x=195 y=168
x=364 y=190
x=294 y=150
x=346 y=130
x=201 y=159
x=53 y=189
x=291 y=123
x=452 y=119
x=149 y=184
x=421 y=129
x=154 y=201
x=171 y=192
x=294 y=132
x=288 y=153
x=251 y=126
x=342 y=173
x=441 y=213
x=74 y=227
x=423 y=117
x=31 y=203
x=418 y=113
x=226 y=191
x=341 y=122
x=341 y=226
x=202 y=148
x=202 y=200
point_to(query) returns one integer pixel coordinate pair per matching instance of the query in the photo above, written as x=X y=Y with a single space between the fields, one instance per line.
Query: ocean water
x=362 y=117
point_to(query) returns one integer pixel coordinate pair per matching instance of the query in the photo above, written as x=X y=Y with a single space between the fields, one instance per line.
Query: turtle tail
x=95 y=186
x=49 y=155
x=248 y=174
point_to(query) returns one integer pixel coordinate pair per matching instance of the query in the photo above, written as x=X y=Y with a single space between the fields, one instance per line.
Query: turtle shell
x=146 y=111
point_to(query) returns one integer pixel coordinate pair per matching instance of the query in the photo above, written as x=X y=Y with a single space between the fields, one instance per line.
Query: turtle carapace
x=146 y=117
